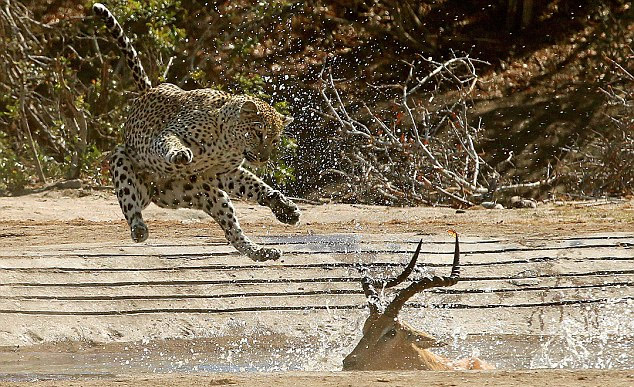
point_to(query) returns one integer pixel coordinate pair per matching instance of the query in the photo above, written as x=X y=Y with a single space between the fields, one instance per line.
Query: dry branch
x=421 y=152
x=43 y=95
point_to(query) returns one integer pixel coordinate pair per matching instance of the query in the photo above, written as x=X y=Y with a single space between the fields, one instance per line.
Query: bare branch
x=419 y=150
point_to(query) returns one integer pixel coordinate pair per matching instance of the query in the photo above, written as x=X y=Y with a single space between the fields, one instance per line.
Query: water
x=599 y=337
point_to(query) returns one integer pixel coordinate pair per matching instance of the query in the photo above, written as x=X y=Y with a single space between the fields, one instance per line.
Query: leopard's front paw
x=288 y=215
x=139 y=232
x=265 y=254
x=284 y=209
x=180 y=157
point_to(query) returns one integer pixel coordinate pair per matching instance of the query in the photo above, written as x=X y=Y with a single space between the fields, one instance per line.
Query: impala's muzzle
x=350 y=362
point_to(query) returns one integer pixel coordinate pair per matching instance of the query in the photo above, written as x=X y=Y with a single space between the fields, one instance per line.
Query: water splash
x=601 y=338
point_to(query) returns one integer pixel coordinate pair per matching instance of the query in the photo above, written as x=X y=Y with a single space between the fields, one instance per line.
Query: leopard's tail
x=140 y=77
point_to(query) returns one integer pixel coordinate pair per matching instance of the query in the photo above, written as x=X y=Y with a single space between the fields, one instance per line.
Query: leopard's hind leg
x=132 y=191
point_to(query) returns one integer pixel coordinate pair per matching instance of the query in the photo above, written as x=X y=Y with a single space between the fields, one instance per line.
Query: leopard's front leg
x=168 y=146
x=215 y=202
x=244 y=184
x=175 y=145
x=223 y=212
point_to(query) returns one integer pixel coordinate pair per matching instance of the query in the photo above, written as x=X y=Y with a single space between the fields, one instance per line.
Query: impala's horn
x=370 y=284
x=455 y=267
x=426 y=283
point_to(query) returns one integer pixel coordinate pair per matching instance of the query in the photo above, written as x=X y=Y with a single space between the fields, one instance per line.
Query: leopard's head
x=264 y=127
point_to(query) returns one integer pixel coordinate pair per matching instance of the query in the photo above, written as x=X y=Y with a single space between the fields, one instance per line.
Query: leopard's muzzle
x=250 y=156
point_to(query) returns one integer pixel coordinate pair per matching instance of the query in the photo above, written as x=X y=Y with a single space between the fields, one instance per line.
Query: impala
x=389 y=344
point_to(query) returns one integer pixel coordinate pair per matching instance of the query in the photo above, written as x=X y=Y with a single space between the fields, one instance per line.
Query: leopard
x=192 y=149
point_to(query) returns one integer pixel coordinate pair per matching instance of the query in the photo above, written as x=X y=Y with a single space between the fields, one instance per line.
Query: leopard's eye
x=260 y=135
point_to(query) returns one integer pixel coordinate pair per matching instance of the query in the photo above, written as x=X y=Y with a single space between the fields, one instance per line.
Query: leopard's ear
x=249 y=108
x=287 y=120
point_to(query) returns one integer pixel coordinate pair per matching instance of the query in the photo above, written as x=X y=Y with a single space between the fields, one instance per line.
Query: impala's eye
x=390 y=334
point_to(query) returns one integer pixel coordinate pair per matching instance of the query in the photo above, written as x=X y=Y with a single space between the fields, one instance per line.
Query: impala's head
x=389 y=344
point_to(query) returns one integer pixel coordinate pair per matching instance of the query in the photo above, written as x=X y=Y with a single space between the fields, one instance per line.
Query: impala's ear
x=287 y=120
x=424 y=340
x=248 y=108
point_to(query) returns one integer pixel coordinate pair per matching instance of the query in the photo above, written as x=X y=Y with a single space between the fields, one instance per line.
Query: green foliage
x=13 y=174
x=91 y=164
x=282 y=107
x=251 y=22
x=251 y=84
x=159 y=18
x=201 y=78
x=10 y=108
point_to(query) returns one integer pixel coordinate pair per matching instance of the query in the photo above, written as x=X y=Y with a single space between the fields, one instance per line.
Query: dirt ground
x=67 y=216
x=544 y=378
x=82 y=305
